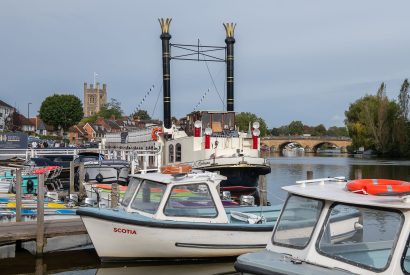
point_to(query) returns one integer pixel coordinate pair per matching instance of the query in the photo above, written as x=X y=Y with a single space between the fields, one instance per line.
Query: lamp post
x=28 y=110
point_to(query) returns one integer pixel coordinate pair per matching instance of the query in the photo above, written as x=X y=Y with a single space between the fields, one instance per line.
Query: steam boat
x=206 y=140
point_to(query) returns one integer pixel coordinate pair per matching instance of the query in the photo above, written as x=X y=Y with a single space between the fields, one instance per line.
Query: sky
x=294 y=60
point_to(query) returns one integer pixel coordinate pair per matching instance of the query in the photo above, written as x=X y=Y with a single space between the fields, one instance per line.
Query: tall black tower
x=230 y=40
x=166 y=56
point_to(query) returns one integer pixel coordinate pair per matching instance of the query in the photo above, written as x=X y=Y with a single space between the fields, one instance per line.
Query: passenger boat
x=176 y=216
x=374 y=240
x=207 y=140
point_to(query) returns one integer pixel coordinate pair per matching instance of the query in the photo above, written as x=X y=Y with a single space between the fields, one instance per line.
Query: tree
x=372 y=123
x=296 y=127
x=320 y=130
x=242 y=121
x=111 y=110
x=61 y=111
x=335 y=131
x=404 y=99
x=142 y=115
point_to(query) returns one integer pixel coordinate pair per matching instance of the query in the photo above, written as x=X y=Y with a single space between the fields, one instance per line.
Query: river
x=285 y=171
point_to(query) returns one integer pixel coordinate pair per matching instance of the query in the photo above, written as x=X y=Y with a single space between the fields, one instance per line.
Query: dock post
x=40 y=216
x=81 y=180
x=309 y=175
x=71 y=191
x=19 y=182
x=358 y=173
x=263 y=199
x=114 y=195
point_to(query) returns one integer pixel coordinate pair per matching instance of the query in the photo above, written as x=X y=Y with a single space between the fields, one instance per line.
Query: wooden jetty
x=40 y=229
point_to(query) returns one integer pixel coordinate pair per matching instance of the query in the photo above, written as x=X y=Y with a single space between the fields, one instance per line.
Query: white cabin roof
x=195 y=176
x=333 y=190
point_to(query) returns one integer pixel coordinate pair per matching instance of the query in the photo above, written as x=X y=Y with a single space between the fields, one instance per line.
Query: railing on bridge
x=307 y=137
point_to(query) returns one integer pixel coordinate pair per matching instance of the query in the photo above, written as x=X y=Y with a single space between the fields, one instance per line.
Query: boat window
x=229 y=121
x=171 y=153
x=405 y=259
x=361 y=236
x=206 y=120
x=178 y=153
x=149 y=196
x=132 y=186
x=191 y=200
x=217 y=123
x=297 y=222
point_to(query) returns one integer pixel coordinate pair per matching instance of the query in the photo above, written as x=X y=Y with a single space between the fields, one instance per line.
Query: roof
x=4 y=104
x=196 y=176
x=333 y=190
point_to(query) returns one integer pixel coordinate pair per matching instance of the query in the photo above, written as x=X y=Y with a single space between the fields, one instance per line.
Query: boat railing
x=321 y=180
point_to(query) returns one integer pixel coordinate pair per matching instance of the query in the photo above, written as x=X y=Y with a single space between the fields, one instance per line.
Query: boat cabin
x=221 y=123
x=179 y=197
x=325 y=228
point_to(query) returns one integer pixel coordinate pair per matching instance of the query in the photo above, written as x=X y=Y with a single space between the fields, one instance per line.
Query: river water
x=285 y=171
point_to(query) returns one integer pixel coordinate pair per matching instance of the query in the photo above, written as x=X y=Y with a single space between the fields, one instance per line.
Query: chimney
x=230 y=40
x=166 y=56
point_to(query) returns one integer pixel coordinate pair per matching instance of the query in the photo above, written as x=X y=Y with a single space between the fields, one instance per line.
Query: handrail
x=321 y=180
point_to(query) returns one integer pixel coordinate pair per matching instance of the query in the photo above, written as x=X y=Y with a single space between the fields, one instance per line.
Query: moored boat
x=174 y=216
x=353 y=232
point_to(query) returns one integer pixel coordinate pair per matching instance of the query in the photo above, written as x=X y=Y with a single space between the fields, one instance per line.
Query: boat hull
x=116 y=241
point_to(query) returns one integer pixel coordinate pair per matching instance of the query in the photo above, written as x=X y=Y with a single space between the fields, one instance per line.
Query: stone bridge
x=311 y=144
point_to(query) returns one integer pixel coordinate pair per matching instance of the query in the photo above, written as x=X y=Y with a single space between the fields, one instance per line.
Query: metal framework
x=194 y=52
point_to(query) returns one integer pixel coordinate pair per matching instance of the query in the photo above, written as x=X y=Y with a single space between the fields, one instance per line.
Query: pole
x=28 y=110
x=166 y=77
x=40 y=216
x=230 y=41
x=18 y=195
x=263 y=199
x=71 y=191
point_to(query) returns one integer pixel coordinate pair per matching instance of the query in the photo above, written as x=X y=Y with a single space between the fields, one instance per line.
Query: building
x=5 y=114
x=94 y=98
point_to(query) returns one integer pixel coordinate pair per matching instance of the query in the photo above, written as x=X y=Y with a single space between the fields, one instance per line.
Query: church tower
x=94 y=98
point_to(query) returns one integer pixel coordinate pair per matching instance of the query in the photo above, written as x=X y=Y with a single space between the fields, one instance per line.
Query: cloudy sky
x=294 y=60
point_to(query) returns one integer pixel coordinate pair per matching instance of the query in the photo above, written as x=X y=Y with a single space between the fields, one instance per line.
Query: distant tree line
x=378 y=123
x=297 y=128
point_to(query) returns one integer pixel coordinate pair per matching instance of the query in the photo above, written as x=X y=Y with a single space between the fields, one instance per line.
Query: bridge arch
x=319 y=144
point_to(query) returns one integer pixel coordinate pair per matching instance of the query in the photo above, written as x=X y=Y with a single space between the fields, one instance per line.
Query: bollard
x=358 y=173
x=40 y=216
x=71 y=191
x=309 y=175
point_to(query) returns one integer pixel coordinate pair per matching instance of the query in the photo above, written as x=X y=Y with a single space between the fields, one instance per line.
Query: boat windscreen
x=297 y=222
x=132 y=186
x=191 y=200
x=360 y=236
x=148 y=197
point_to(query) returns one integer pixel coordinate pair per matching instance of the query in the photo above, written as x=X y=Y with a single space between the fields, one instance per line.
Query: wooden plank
x=71 y=177
x=24 y=231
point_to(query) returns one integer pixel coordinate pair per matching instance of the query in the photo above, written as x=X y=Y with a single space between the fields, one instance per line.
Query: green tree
x=142 y=115
x=320 y=130
x=61 y=111
x=242 y=121
x=111 y=110
x=371 y=122
x=296 y=127
x=404 y=99
x=337 y=131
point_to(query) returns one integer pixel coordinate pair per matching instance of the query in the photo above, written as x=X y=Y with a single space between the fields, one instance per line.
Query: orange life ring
x=155 y=132
x=176 y=169
x=380 y=187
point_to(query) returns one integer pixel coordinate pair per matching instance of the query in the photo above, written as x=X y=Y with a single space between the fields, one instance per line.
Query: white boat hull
x=120 y=241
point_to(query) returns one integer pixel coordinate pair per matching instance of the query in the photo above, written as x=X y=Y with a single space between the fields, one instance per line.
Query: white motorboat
x=174 y=216
x=107 y=171
x=370 y=237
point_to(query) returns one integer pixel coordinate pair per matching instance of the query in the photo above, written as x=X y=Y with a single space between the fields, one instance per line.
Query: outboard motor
x=247 y=200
